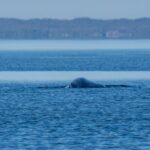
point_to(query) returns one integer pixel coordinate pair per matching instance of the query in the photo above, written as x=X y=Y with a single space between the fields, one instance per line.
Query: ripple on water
x=107 y=118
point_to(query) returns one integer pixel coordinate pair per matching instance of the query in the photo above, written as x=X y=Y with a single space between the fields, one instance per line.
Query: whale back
x=82 y=83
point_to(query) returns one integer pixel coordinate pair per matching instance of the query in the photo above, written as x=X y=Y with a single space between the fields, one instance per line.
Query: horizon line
x=71 y=19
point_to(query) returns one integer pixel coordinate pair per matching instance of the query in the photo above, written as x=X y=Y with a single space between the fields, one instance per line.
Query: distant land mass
x=80 y=28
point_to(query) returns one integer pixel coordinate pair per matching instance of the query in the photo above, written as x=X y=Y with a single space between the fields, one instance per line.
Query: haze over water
x=51 y=45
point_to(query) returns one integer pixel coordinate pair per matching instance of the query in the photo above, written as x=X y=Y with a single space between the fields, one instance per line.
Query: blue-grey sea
x=75 y=60
x=42 y=115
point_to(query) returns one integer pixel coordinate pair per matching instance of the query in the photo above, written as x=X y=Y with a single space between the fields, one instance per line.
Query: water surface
x=100 y=60
x=35 y=115
x=70 y=119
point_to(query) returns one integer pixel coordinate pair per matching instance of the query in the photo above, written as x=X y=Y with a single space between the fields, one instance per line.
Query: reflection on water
x=71 y=75
x=73 y=44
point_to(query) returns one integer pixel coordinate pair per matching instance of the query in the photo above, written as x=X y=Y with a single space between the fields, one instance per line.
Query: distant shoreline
x=74 y=29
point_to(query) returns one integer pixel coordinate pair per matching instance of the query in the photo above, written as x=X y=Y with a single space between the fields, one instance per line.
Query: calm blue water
x=93 y=60
x=80 y=55
x=32 y=117
x=44 y=116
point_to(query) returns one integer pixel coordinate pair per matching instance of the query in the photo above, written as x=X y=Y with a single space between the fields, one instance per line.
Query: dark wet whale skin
x=84 y=83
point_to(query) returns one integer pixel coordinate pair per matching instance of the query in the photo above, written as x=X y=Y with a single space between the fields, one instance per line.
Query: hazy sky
x=102 y=9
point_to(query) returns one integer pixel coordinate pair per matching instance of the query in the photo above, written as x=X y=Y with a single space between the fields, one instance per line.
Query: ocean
x=36 y=112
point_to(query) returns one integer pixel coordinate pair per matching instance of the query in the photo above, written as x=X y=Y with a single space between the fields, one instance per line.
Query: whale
x=83 y=83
